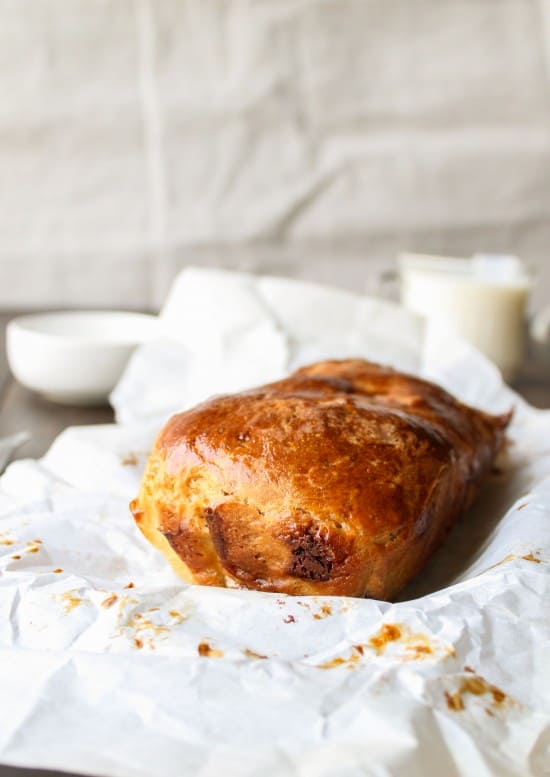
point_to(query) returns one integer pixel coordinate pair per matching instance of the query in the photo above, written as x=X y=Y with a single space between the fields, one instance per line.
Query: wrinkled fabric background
x=313 y=138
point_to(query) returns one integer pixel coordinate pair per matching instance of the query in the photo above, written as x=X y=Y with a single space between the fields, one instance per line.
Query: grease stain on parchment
x=349 y=662
x=176 y=615
x=140 y=623
x=512 y=557
x=7 y=538
x=324 y=612
x=388 y=632
x=207 y=651
x=406 y=646
x=143 y=629
x=475 y=685
x=129 y=460
x=416 y=645
x=252 y=654
x=69 y=600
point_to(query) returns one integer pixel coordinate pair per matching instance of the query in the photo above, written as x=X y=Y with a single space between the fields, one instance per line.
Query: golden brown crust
x=341 y=479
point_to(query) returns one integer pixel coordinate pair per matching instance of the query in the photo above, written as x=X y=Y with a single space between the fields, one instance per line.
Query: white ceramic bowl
x=75 y=357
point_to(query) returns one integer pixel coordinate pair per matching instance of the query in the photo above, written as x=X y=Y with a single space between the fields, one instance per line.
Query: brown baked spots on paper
x=341 y=479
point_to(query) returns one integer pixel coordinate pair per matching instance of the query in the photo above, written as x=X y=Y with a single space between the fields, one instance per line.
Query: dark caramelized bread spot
x=341 y=479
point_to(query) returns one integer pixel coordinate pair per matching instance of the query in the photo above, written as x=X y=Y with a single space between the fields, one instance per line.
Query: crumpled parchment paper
x=110 y=665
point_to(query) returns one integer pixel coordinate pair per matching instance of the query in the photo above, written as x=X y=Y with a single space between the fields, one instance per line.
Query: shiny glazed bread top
x=341 y=479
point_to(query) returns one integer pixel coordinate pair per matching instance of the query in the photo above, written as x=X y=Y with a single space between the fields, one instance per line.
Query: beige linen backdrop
x=315 y=138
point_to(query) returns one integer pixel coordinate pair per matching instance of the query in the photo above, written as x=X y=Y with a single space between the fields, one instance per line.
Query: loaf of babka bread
x=340 y=479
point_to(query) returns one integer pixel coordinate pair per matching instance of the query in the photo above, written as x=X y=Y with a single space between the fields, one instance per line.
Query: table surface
x=20 y=410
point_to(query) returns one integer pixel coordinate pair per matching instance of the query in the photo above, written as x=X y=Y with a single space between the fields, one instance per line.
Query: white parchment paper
x=110 y=665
